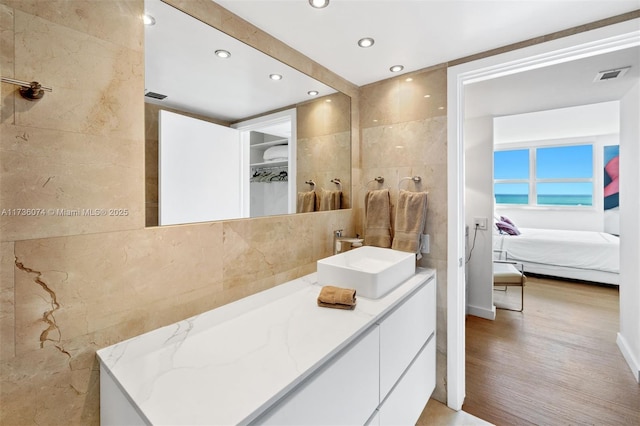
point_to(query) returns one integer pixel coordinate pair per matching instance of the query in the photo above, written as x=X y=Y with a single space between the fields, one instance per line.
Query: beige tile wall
x=404 y=124
x=71 y=284
x=324 y=144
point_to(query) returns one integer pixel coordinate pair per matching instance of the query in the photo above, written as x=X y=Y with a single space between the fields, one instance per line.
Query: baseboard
x=489 y=314
x=628 y=356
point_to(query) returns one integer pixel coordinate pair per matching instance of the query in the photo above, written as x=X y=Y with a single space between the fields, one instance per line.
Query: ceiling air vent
x=611 y=74
x=155 y=95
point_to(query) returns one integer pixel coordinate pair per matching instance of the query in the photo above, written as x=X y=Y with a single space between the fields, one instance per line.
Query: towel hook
x=337 y=182
x=312 y=183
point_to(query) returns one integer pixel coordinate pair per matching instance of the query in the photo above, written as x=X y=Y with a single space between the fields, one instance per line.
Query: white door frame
x=263 y=124
x=602 y=40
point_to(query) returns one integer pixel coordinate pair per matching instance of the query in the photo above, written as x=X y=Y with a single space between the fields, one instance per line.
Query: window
x=545 y=176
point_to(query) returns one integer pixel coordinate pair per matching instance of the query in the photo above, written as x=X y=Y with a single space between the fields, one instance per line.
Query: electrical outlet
x=480 y=223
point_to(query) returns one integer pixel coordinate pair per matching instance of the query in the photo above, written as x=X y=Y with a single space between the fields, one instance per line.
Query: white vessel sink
x=371 y=271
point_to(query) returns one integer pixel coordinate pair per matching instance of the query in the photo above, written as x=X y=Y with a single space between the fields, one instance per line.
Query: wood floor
x=556 y=363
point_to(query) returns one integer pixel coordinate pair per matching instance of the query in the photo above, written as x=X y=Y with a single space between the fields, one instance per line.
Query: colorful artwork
x=611 y=176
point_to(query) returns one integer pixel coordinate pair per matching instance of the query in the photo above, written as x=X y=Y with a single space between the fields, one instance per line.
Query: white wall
x=478 y=136
x=629 y=335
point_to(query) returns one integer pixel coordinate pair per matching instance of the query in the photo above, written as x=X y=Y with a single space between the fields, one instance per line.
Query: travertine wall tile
x=324 y=144
x=36 y=389
x=421 y=94
x=97 y=84
x=380 y=104
x=87 y=283
x=116 y=20
x=322 y=159
x=66 y=177
x=404 y=134
x=264 y=247
x=7 y=302
x=7 y=91
x=324 y=116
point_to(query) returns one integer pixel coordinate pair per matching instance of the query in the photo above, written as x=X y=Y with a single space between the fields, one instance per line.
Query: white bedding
x=583 y=250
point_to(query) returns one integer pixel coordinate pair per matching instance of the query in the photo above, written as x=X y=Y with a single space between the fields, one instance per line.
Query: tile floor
x=438 y=414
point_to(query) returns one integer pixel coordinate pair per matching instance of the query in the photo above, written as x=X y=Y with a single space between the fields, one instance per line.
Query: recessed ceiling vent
x=611 y=74
x=155 y=95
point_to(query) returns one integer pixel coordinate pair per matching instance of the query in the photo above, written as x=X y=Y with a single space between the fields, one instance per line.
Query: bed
x=579 y=255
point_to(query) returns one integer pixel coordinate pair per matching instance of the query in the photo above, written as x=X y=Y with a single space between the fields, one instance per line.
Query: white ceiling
x=180 y=63
x=414 y=33
x=559 y=86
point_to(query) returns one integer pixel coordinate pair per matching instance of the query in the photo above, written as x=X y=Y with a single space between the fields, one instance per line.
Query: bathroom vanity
x=277 y=358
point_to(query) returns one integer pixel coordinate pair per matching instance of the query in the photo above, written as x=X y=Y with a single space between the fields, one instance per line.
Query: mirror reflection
x=282 y=139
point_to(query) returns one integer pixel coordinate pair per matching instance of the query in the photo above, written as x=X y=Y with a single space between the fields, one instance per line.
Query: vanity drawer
x=408 y=399
x=403 y=332
x=345 y=391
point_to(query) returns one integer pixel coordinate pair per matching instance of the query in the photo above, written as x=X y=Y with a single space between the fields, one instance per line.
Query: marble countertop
x=228 y=365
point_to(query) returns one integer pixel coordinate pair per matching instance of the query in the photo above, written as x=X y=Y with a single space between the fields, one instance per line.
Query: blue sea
x=546 y=200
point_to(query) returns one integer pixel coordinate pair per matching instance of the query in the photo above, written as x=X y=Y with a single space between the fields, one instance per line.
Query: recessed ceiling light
x=319 y=4
x=366 y=42
x=275 y=76
x=396 y=68
x=312 y=93
x=148 y=19
x=222 y=53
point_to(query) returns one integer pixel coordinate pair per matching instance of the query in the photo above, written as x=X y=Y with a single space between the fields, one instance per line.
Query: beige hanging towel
x=377 y=228
x=328 y=200
x=411 y=216
x=306 y=202
x=336 y=200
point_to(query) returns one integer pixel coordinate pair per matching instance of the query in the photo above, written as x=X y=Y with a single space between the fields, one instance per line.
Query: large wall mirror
x=293 y=133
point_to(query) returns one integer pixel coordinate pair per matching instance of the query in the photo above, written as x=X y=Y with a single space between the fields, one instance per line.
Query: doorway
x=591 y=43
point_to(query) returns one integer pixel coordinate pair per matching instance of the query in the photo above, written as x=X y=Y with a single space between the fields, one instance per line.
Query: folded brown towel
x=337 y=297
x=411 y=216
x=377 y=227
x=306 y=202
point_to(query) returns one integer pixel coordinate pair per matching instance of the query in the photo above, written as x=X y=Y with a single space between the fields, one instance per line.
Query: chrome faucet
x=336 y=234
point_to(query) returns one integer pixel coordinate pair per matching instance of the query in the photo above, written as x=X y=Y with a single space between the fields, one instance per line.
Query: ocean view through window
x=544 y=176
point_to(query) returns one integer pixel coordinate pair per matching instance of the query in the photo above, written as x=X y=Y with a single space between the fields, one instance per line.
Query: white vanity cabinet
x=276 y=358
x=405 y=402
x=386 y=376
x=343 y=392
x=403 y=333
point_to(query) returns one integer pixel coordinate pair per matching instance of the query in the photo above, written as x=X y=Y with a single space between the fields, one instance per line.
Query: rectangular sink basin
x=371 y=271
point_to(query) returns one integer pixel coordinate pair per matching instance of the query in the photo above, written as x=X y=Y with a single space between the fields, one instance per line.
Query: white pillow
x=278 y=152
